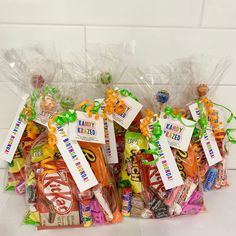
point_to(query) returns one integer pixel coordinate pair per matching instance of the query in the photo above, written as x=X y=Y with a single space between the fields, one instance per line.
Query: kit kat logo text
x=13 y=136
x=57 y=190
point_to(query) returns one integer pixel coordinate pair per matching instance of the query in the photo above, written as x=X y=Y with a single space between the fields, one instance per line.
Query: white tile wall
x=219 y=14
x=162 y=29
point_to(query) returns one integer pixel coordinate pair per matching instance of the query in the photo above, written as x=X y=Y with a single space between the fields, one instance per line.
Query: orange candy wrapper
x=93 y=153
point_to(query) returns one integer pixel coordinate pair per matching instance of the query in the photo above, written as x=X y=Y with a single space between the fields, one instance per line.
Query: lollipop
x=162 y=97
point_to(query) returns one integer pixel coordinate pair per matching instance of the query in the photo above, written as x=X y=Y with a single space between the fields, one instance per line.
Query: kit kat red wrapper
x=57 y=200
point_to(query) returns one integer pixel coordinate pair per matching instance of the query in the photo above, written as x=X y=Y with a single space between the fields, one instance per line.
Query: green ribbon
x=170 y=112
x=156 y=134
x=95 y=109
x=33 y=99
x=229 y=135
x=231 y=117
x=54 y=92
x=66 y=117
x=202 y=122
x=127 y=93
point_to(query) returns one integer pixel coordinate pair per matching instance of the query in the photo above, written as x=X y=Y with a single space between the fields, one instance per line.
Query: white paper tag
x=132 y=109
x=178 y=135
x=110 y=145
x=75 y=161
x=42 y=117
x=14 y=135
x=166 y=165
x=110 y=139
x=208 y=141
x=87 y=129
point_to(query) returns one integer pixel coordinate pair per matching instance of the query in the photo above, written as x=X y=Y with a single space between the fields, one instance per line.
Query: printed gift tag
x=75 y=160
x=110 y=139
x=178 y=135
x=208 y=141
x=14 y=135
x=87 y=129
x=166 y=165
x=132 y=109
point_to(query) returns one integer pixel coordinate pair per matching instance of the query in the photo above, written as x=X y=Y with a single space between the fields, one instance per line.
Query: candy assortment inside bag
x=16 y=168
x=53 y=196
x=214 y=133
x=181 y=200
x=130 y=183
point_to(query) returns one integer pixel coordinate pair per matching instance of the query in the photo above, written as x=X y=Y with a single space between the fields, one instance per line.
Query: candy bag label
x=166 y=165
x=87 y=129
x=110 y=139
x=178 y=135
x=208 y=141
x=14 y=135
x=132 y=108
x=75 y=161
x=110 y=142
x=42 y=118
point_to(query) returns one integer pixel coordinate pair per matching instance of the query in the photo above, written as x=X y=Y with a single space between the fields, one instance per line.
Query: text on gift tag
x=208 y=141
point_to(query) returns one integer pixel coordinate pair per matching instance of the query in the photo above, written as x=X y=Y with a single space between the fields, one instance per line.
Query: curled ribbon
x=54 y=92
x=66 y=117
x=90 y=107
x=29 y=113
x=153 y=138
x=229 y=135
x=202 y=122
x=113 y=104
x=127 y=93
x=215 y=121
x=169 y=111
x=60 y=119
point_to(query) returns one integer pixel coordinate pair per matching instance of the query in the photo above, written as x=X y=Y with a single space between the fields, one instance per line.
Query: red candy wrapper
x=57 y=198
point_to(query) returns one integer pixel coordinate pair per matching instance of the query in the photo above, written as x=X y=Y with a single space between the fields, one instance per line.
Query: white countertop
x=217 y=221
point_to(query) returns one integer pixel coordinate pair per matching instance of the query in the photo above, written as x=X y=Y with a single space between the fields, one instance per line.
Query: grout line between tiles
x=202 y=12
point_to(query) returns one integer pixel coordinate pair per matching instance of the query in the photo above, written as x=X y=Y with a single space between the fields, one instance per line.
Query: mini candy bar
x=184 y=199
x=85 y=212
x=97 y=214
x=134 y=144
x=210 y=178
x=126 y=201
x=57 y=202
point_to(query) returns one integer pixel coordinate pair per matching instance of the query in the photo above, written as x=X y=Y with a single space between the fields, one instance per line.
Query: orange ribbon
x=146 y=122
x=213 y=117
